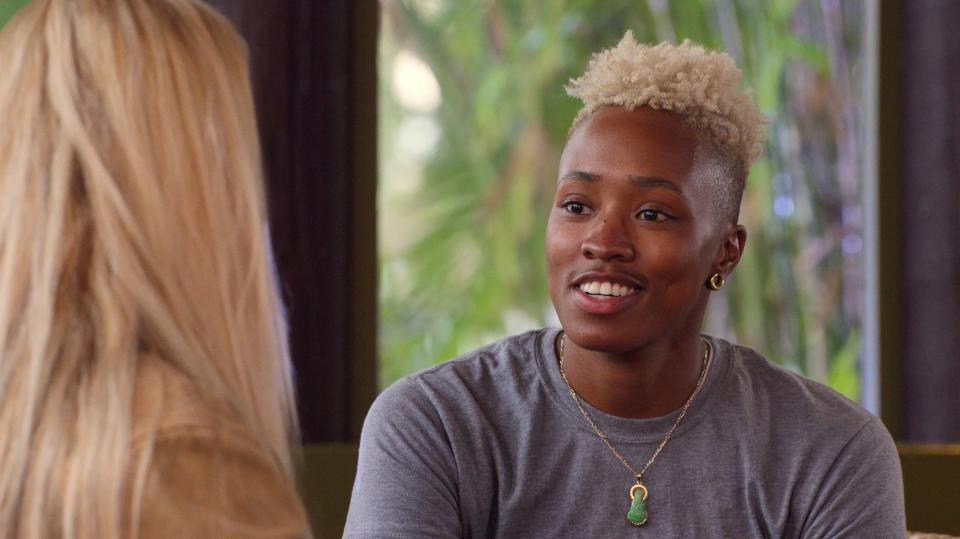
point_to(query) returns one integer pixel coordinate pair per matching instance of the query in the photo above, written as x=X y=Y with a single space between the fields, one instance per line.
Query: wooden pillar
x=929 y=217
x=313 y=70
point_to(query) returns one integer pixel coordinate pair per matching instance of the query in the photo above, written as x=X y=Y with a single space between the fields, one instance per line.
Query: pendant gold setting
x=637 y=515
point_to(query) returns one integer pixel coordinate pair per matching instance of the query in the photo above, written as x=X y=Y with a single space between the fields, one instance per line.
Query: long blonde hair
x=132 y=229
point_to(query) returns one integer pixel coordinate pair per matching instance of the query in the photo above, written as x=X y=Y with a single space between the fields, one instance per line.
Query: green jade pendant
x=637 y=515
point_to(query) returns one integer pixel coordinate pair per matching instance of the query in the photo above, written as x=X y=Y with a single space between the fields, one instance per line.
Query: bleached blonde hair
x=701 y=86
x=132 y=229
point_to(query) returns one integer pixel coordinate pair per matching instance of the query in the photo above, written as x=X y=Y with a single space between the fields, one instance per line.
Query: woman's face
x=634 y=232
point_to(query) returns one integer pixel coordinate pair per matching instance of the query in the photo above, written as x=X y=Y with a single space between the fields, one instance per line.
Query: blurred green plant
x=8 y=8
x=467 y=177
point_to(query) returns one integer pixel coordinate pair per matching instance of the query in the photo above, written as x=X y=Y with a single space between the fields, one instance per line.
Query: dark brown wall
x=929 y=215
x=312 y=64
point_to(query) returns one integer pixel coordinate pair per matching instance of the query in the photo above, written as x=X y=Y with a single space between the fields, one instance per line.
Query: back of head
x=132 y=229
x=702 y=87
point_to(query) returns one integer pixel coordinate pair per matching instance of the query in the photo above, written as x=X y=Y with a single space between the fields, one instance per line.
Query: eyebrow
x=653 y=181
x=642 y=181
x=580 y=176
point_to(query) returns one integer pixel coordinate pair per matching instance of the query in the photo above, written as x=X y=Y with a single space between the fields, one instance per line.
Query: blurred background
x=473 y=117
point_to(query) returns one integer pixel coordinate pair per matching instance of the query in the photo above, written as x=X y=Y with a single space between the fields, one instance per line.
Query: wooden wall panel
x=929 y=214
x=311 y=65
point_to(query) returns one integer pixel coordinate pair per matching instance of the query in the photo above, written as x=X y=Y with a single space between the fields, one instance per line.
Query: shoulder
x=429 y=430
x=501 y=370
x=492 y=382
x=202 y=472
x=503 y=360
x=802 y=419
x=840 y=459
x=789 y=397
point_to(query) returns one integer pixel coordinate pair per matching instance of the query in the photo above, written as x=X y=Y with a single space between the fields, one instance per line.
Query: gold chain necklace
x=637 y=515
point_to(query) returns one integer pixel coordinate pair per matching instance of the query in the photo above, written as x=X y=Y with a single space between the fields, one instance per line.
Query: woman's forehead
x=640 y=142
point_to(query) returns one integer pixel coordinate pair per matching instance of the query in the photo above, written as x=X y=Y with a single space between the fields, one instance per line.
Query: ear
x=730 y=250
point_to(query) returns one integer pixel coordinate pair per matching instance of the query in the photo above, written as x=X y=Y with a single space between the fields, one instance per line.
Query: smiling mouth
x=605 y=288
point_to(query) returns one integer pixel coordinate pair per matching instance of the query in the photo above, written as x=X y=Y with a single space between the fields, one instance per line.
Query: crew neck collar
x=623 y=429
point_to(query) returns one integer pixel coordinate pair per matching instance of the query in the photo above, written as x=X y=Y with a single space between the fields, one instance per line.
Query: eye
x=649 y=214
x=574 y=207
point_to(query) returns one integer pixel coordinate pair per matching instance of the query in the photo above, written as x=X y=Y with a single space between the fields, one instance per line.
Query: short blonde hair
x=701 y=86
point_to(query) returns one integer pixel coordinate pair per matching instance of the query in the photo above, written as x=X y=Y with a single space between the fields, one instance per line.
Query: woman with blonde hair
x=145 y=384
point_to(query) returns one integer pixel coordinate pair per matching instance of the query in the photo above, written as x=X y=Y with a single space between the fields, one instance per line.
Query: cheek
x=561 y=248
x=671 y=265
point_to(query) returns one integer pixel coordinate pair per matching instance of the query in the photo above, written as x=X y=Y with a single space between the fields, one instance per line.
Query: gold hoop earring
x=715 y=282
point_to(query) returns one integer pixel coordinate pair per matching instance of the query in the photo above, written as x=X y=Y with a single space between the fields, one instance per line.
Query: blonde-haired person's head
x=132 y=230
x=701 y=86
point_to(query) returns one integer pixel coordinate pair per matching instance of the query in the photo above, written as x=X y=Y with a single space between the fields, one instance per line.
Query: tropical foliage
x=8 y=8
x=468 y=163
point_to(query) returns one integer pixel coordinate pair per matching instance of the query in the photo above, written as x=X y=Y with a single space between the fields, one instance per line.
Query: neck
x=651 y=381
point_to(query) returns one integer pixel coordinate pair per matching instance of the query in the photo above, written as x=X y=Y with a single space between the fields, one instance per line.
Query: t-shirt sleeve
x=862 y=494
x=406 y=483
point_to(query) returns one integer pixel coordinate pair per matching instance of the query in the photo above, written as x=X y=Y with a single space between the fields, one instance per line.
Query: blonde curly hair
x=701 y=86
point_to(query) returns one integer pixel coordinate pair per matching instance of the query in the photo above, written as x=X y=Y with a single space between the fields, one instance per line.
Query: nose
x=608 y=241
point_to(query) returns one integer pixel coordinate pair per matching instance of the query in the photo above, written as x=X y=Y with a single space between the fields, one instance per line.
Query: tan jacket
x=208 y=476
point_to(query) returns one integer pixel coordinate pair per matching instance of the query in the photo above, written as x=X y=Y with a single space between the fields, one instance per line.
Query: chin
x=606 y=338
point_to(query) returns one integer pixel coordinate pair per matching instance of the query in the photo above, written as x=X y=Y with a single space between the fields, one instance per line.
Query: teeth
x=599 y=288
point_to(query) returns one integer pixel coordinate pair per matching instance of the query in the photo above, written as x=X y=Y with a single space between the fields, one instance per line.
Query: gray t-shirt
x=492 y=445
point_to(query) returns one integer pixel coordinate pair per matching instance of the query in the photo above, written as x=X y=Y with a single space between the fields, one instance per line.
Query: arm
x=203 y=482
x=862 y=494
x=406 y=483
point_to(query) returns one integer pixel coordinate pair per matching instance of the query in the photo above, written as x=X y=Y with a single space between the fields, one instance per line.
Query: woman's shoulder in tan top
x=205 y=475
